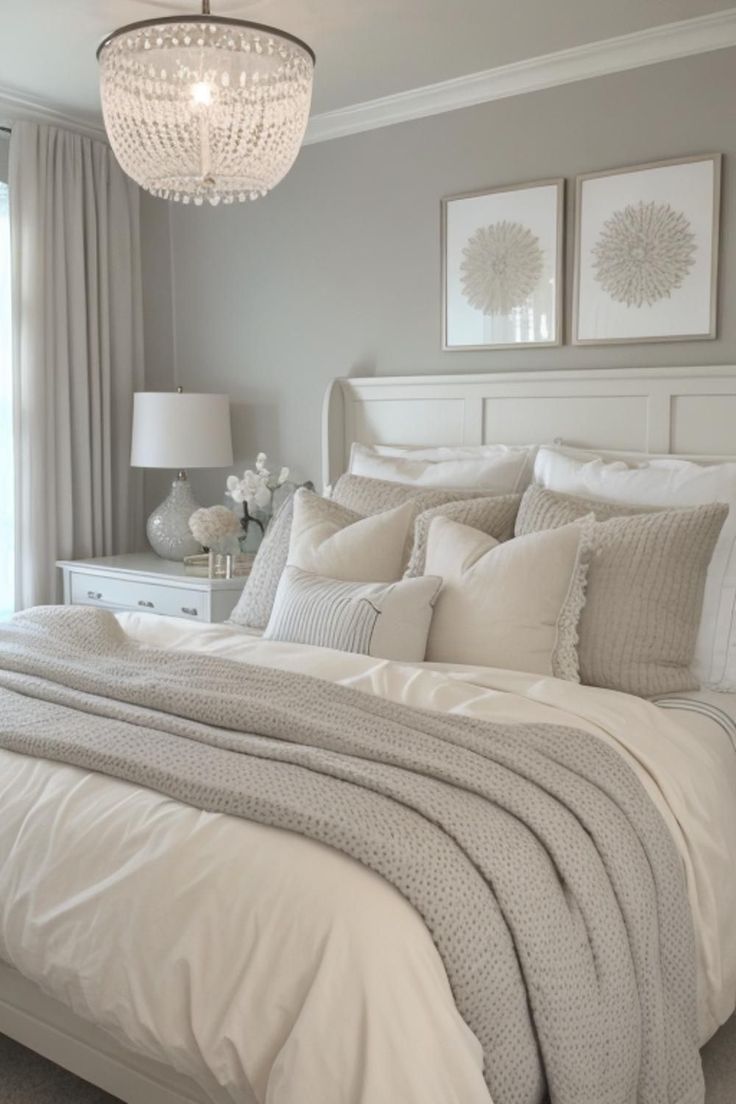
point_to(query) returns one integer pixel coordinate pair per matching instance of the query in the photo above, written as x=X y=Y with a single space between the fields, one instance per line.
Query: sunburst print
x=502 y=266
x=644 y=253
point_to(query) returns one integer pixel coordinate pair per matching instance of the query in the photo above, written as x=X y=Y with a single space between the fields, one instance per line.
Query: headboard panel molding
x=683 y=411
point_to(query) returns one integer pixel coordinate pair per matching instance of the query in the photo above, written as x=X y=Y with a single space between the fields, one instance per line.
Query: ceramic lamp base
x=167 y=528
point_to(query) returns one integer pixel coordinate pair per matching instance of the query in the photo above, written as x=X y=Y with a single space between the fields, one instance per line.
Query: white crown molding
x=15 y=108
x=667 y=42
x=595 y=59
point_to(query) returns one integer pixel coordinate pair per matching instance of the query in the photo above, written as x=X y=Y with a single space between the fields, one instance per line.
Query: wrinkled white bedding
x=273 y=969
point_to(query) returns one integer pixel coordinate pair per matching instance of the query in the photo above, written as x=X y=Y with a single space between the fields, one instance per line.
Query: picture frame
x=646 y=252
x=520 y=303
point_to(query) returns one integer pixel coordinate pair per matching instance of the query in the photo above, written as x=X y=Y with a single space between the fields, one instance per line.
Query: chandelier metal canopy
x=205 y=107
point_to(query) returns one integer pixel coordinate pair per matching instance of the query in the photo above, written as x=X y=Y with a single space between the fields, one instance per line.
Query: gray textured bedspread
x=549 y=882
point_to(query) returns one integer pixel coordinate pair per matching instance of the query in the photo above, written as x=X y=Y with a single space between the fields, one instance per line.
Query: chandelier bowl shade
x=205 y=108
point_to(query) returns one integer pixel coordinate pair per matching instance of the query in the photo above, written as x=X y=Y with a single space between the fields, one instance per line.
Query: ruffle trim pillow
x=515 y=605
x=645 y=588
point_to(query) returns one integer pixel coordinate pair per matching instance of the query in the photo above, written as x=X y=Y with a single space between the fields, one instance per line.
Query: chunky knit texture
x=551 y=885
x=646 y=578
x=370 y=496
x=493 y=516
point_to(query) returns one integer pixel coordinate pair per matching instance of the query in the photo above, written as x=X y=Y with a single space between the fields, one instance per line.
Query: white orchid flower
x=256 y=488
x=235 y=489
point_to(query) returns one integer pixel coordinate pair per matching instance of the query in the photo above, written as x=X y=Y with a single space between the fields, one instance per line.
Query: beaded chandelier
x=204 y=107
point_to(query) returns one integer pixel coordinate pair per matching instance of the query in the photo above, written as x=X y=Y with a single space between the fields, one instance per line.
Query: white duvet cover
x=271 y=968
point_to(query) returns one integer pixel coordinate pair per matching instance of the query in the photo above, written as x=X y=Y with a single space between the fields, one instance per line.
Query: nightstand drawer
x=111 y=593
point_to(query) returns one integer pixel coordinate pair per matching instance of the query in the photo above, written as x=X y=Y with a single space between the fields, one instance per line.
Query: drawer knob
x=189 y=610
x=147 y=605
x=95 y=595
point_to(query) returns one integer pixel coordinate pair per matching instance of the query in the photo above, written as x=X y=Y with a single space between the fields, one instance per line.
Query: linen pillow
x=385 y=620
x=667 y=482
x=328 y=539
x=254 y=606
x=505 y=470
x=514 y=605
x=645 y=588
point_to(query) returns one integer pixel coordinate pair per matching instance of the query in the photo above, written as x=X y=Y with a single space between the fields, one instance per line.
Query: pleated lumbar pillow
x=645 y=588
x=514 y=605
x=385 y=620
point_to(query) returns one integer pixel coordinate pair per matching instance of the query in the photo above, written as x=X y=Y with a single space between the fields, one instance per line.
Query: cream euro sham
x=514 y=605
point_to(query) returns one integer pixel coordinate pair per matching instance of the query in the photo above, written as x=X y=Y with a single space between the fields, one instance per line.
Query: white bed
x=112 y=935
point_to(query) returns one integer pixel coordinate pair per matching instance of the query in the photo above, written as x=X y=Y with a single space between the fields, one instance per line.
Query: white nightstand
x=143 y=581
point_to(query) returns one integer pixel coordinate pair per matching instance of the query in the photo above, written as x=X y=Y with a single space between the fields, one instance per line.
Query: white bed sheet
x=271 y=968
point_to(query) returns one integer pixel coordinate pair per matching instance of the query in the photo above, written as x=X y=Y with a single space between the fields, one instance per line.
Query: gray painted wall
x=338 y=271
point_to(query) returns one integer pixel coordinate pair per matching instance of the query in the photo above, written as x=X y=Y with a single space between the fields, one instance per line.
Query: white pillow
x=386 y=620
x=514 y=605
x=668 y=482
x=330 y=540
x=503 y=469
x=443 y=452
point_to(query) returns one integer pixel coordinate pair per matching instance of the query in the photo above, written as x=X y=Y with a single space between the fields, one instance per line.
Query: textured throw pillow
x=514 y=605
x=328 y=539
x=256 y=602
x=667 y=483
x=493 y=516
x=501 y=469
x=369 y=496
x=385 y=620
x=645 y=588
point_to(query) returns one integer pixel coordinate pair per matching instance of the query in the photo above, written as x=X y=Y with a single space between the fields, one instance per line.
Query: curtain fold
x=77 y=353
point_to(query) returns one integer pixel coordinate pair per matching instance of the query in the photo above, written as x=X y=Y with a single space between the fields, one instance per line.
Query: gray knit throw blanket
x=550 y=884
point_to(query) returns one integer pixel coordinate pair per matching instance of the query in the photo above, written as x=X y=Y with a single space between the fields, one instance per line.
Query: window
x=7 y=542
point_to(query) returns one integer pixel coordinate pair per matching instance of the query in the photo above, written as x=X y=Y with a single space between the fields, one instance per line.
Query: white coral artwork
x=502 y=266
x=643 y=253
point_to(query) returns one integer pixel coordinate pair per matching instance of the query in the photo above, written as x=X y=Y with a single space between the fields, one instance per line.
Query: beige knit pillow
x=492 y=514
x=645 y=588
x=370 y=496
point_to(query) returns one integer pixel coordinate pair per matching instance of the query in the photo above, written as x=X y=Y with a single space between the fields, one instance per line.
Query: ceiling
x=365 y=48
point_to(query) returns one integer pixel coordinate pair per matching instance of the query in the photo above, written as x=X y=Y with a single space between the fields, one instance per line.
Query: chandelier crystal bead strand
x=205 y=107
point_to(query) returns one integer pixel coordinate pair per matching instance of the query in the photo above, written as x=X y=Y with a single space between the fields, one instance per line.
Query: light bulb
x=202 y=93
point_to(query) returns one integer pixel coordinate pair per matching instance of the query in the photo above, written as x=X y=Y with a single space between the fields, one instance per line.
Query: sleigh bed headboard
x=684 y=411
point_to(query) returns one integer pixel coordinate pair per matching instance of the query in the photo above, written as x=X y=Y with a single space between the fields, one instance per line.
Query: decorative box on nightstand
x=145 y=582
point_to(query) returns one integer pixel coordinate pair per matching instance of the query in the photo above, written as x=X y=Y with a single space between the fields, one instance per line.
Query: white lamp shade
x=175 y=430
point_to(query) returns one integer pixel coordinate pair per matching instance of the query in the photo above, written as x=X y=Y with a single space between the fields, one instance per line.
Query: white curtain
x=77 y=353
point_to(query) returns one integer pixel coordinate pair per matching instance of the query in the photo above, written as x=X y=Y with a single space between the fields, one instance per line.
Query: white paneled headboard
x=684 y=411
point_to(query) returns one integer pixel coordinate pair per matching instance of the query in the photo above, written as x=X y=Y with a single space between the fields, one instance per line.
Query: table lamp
x=179 y=431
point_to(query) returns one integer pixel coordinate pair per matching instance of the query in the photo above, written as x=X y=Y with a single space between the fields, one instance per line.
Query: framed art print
x=502 y=267
x=646 y=253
